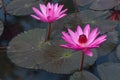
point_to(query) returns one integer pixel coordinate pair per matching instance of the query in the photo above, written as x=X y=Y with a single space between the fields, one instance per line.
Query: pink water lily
x=49 y=13
x=83 y=40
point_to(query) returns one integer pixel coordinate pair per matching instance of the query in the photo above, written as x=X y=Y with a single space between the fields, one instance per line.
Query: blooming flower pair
x=83 y=40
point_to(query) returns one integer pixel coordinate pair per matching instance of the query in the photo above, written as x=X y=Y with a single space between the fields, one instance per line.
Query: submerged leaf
x=83 y=75
x=22 y=7
x=109 y=71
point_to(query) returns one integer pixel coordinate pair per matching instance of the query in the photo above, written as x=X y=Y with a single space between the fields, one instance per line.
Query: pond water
x=17 y=24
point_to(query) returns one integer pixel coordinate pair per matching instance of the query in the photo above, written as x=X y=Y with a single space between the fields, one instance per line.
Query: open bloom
x=49 y=13
x=83 y=40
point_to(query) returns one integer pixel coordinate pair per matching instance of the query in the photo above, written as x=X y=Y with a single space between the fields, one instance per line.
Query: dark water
x=16 y=25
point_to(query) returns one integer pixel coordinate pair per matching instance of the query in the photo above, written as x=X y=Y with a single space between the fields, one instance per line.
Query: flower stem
x=82 y=61
x=48 y=33
x=4 y=9
x=76 y=6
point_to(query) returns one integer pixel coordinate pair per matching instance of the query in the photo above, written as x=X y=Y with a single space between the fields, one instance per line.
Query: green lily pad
x=22 y=7
x=96 y=19
x=64 y=61
x=83 y=75
x=29 y=51
x=23 y=50
x=1 y=27
x=74 y=19
x=101 y=4
x=109 y=71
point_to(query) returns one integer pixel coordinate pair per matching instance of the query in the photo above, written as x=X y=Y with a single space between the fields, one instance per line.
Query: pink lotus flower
x=49 y=13
x=83 y=40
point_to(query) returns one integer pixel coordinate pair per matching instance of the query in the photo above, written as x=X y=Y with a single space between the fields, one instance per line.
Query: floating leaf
x=69 y=21
x=110 y=44
x=1 y=27
x=109 y=71
x=96 y=19
x=104 y=4
x=22 y=7
x=23 y=50
x=84 y=17
x=65 y=61
x=83 y=75
x=84 y=2
x=26 y=50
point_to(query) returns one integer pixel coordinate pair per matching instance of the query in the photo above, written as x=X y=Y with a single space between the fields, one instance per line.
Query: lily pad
x=1 y=27
x=96 y=19
x=23 y=50
x=83 y=75
x=64 y=61
x=101 y=4
x=110 y=44
x=22 y=7
x=109 y=71
x=80 y=18
x=29 y=51
x=84 y=2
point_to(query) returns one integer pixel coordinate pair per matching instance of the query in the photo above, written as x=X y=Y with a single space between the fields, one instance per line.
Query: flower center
x=49 y=9
x=48 y=17
x=82 y=39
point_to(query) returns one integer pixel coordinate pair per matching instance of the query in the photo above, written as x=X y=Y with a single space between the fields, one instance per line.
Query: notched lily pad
x=24 y=49
x=1 y=27
x=22 y=7
x=109 y=44
x=59 y=60
x=109 y=71
x=83 y=75
x=104 y=4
